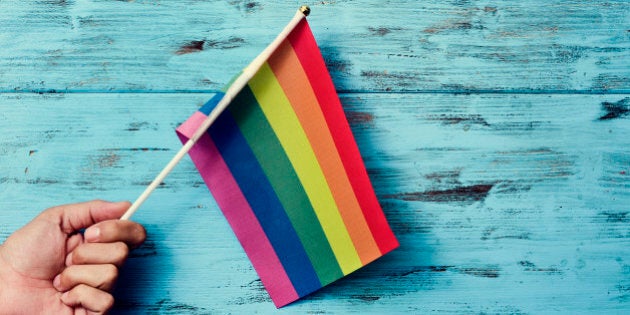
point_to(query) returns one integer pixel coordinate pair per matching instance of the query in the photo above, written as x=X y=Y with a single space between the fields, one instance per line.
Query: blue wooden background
x=496 y=134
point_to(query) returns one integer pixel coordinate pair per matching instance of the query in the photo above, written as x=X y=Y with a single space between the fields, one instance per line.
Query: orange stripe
x=288 y=70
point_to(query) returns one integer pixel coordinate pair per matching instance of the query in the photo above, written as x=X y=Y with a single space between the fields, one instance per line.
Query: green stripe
x=279 y=170
x=287 y=127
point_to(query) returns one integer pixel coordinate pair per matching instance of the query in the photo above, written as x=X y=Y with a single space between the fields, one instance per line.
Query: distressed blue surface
x=496 y=134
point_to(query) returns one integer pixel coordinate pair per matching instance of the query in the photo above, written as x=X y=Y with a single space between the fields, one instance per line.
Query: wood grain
x=502 y=203
x=369 y=46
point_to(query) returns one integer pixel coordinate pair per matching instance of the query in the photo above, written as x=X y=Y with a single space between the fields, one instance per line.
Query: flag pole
x=231 y=92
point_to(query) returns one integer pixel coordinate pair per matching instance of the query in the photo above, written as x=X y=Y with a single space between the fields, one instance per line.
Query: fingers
x=130 y=233
x=73 y=241
x=98 y=254
x=94 y=255
x=91 y=272
x=101 y=277
x=94 y=300
x=74 y=217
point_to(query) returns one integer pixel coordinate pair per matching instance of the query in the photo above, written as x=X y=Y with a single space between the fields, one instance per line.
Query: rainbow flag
x=283 y=166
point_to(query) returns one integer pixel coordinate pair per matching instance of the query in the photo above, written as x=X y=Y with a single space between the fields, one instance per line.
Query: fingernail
x=64 y=296
x=92 y=234
x=57 y=282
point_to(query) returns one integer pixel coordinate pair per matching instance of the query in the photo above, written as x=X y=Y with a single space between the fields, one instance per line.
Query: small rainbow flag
x=284 y=168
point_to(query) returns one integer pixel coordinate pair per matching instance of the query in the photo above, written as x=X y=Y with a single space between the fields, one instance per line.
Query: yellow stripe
x=288 y=70
x=286 y=125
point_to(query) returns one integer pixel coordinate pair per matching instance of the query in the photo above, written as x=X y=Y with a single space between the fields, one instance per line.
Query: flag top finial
x=306 y=10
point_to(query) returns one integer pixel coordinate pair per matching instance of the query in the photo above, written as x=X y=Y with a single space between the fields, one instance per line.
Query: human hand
x=49 y=267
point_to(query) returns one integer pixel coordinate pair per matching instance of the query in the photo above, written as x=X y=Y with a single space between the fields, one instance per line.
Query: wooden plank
x=505 y=203
x=434 y=45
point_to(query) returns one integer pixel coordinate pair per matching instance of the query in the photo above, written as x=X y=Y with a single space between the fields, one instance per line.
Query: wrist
x=3 y=283
x=6 y=305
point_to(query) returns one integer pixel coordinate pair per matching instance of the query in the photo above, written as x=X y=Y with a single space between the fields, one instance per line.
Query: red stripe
x=312 y=61
x=242 y=219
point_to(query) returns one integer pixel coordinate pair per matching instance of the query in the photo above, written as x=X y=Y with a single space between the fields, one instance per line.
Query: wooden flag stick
x=231 y=92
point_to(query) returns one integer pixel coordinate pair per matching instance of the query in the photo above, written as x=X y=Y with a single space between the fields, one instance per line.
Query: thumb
x=77 y=216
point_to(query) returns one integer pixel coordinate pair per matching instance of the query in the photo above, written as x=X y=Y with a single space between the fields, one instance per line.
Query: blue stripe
x=265 y=204
x=211 y=104
x=268 y=150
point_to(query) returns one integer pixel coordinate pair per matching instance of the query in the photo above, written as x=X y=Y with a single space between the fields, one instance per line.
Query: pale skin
x=49 y=267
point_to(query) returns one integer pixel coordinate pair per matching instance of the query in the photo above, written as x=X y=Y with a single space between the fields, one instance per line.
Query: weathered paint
x=455 y=46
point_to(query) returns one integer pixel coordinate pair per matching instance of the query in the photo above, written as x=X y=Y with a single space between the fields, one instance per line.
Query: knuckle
x=108 y=302
x=95 y=203
x=109 y=230
x=111 y=271
x=110 y=278
x=122 y=251
x=79 y=292
x=141 y=232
